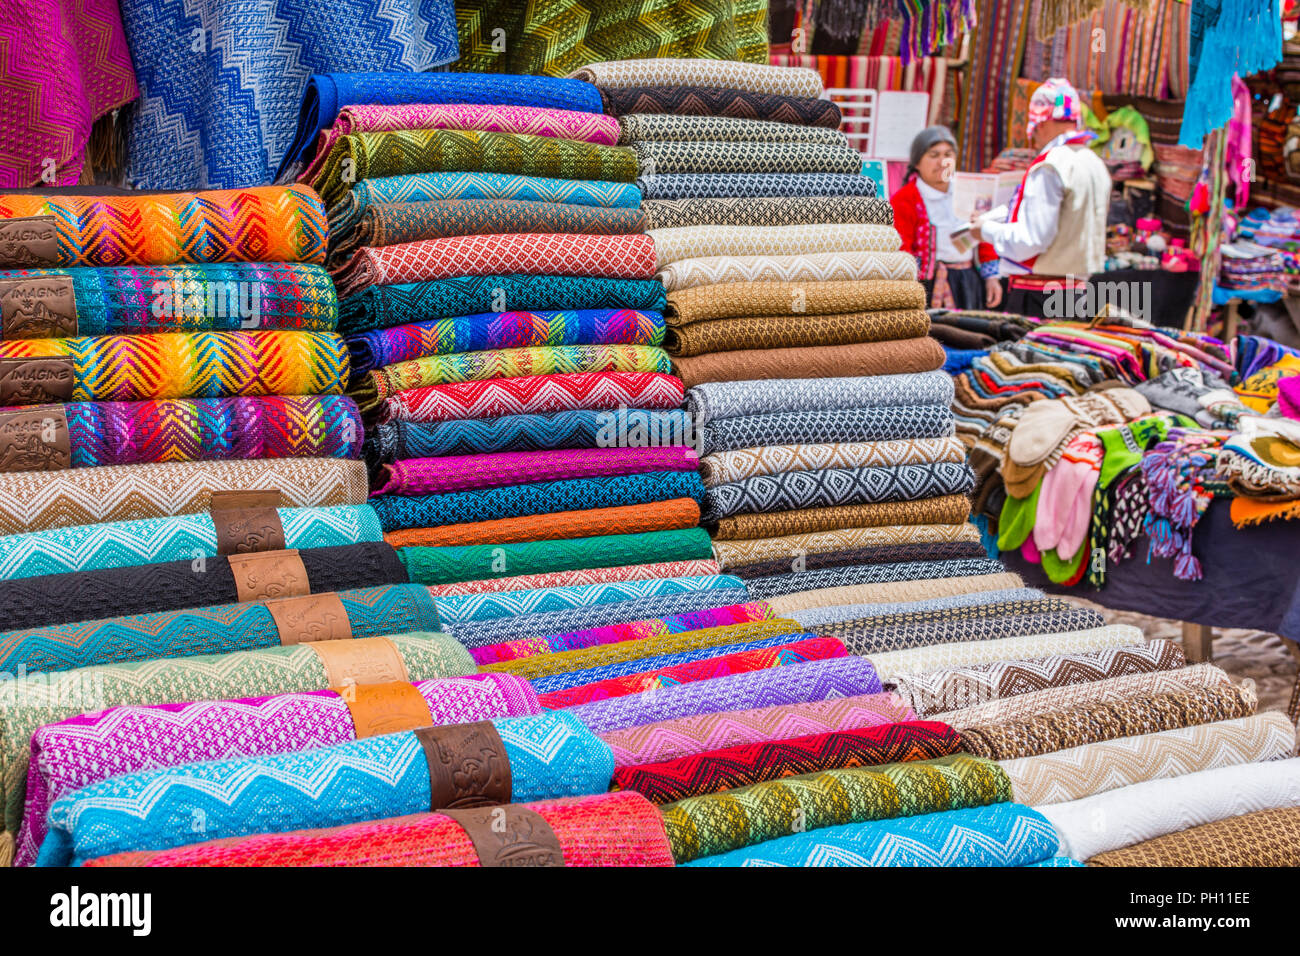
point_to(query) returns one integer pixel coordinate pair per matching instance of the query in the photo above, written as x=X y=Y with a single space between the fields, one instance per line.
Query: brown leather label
x=29 y=241
x=509 y=836
x=38 y=307
x=35 y=381
x=35 y=439
x=248 y=530
x=360 y=661
x=468 y=766
x=387 y=708
x=266 y=575
x=311 y=618
x=243 y=500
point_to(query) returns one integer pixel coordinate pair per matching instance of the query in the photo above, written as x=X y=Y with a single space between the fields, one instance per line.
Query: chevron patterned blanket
x=869 y=574
x=754 y=77
x=1262 y=838
x=564 y=579
x=728 y=768
x=885 y=523
x=123 y=544
x=746 y=557
x=606 y=829
x=864 y=636
x=665 y=127
x=737 y=185
x=745 y=157
x=813 y=267
x=712 y=401
x=740 y=464
x=550 y=755
x=693 y=242
x=90 y=748
x=694 y=100
x=883 y=423
x=870 y=554
x=258 y=224
x=769 y=211
x=770 y=331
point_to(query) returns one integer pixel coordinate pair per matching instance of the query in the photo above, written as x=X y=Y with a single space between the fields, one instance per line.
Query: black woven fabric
x=879 y=554
x=878 y=640
x=761 y=589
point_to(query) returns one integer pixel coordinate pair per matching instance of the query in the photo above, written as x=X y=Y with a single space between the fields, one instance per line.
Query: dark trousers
x=966 y=285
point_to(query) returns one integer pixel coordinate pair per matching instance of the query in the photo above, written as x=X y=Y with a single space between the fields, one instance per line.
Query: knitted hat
x=923 y=140
x=1056 y=99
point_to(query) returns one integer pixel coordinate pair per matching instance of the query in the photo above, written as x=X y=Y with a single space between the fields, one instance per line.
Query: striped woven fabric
x=773 y=211
x=1262 y=838
x=748 y=157
x=39 y=501
x=943 y=656
x=814 y=267
x=129 y=368
x=666 y=127
x=729 y=768
x=493 y=606
x=554 y=579
x=258 y=224
x=724 y=300
x=742 y=463
x=725 y=73
x=693 y=242
x=88 y=748
x=759 y=554
x=696 y=100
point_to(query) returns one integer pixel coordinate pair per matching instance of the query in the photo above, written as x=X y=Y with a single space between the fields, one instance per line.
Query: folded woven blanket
x=550 y=755
x=123 y=544
x=1002 y=834
x=386 y=306
x=771 y=211
x=816 y=680
x=535 y=394
x=957 y=607
x=717 y=400
x=867 y=358
x=551 y=254
x=213 y=429
x=258 y=224
x=174 y=585
x=543 y=497
x=741 y=555
x=736 y=185
x=883 y=423
x=942 y=656
x=665 y=127
x=836 y=486
x=128 y=368
x=729 y=466
x=447 y=565
x=694 y=99
x=692 y=242
x=728 y=768
x=40 y=699
x=815 y=267
x=428 y=476
x=604 y=829
x=897 y=591
x=887 y=522
x=726 y=300
x=371 y=612
x=865 y=636
x=463 y=608
x=761 y=332
x=564 y=579
x=87 y=749
x=577 y=428
x=1262 y=838
x=728 y=74
x=746 y=613
x=677 y=156
x=181 y=298
x=717 y=823
x=1154 y=808
x=870 y=554
x=1092 y=768
x=865 y=574
x=39 y=501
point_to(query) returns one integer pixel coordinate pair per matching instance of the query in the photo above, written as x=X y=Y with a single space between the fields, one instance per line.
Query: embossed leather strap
x=468 y=766
x=311 y=618
x=360 y=661
x=35 y=381
x=38 y=307
x=247 y=521
x=387 y=708
x=27 y=241
x=511 y=835
x=35 y=439
x=267 y=575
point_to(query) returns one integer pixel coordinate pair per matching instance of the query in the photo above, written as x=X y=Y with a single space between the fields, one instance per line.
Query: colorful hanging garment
x=1241 y=37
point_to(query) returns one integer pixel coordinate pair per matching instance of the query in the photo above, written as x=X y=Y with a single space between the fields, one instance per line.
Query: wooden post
x=1198 y=642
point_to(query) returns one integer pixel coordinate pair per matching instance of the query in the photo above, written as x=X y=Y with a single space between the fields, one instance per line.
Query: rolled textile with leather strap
x=256 y=224
x=851 y=265
x=555 y=579
x=709 y=402
x=739 y=185
x=869 y=358
x=123 y=544
x=750 y=462
x=606 y=829
x=768 y=211
x=174 y=585
x=697 y=100
x=86 y=749
x=654 y=158
x=692 y=242
x=859 y=536
x=760 y=332
x=510 y=759
x=724 y=73
x=665 y=127
x=1262 y=838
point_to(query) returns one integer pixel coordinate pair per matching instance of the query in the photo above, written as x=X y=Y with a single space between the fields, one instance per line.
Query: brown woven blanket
x=901 y=356
x=937 y=513
x=730 y=299
x=1262 y=838
x=785 y=331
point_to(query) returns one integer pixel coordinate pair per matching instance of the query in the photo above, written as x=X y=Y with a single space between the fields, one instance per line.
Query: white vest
x=1079 y=248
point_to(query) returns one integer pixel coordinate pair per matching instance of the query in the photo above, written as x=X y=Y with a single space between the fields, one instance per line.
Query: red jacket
x=913 y=225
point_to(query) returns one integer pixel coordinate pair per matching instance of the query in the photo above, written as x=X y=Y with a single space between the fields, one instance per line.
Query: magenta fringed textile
x=83 y=750
x=560 y=579
x=434 y=476
x=616 y=633
x=547 y=254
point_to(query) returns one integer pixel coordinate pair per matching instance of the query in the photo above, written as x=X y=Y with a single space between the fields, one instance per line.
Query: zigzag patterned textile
x=492 y=606
x=175 y=585
x=882 y=423
x=144 y=299
x=557 y=254
x=132 y=368
x=213 y=429
x=1015 y=603
x=939 y=691
x=665 y=127
x=684 y=157
x=896 y=554
x=811 y=580
x=800 y=683
x=729 y=768
x=863 y=637
x=1138 y=715
x=755 y=77
x=779 y=299
x=714 y=400
x=90 y=748
x=907 y=591
x=718 y=823
x=1002 y=834
x=550 y=755
x=387 y=306
x=773 y=332
x=562 y=579
x=693 y=242
x=448 y=565
x=426 y=476
x=124 y=544
x=39 y=500
x=791 y=490
x=886 y=523
x=744 y=659
x=556 y=37
x=259 y=224
x=1263 y=838
x=536 y=394
x=717 y=101
x=853 y=266
x=765 y=211
x=747 y=613
x=738 y=185
x=739 y=464
x=405 y=152
x=658 y=743
x=41 y=699
x=1095 y=768
x=743 y=555
x=372 y=612
x=541 y=498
